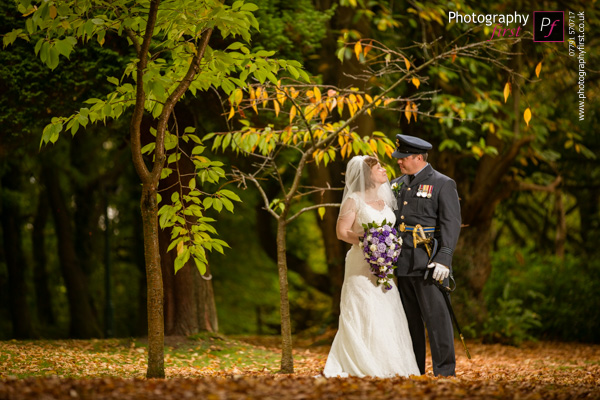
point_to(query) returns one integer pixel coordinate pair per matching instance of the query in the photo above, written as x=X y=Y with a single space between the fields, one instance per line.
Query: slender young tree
x=170 y=56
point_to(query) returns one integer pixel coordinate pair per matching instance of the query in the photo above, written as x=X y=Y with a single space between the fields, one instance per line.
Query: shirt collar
x=417 y=173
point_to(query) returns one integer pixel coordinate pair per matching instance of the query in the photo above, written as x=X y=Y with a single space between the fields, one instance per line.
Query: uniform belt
x=408 y=228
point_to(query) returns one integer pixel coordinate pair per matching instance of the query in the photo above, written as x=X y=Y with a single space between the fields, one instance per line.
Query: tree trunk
x=561 y=225
x=149 y=207
x=14 y=257
x=43 y=297
x=189 y=298
x=287 y=361
x=335 y=249
x=83 y=323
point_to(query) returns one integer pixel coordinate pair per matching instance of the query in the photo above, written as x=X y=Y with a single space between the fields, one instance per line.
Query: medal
x=420 y=191
x=429 y=191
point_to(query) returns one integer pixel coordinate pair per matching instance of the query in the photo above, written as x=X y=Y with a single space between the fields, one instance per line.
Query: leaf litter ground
x=214 y=367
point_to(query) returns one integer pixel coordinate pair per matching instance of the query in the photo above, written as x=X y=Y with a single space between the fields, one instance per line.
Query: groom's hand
x=440 y=271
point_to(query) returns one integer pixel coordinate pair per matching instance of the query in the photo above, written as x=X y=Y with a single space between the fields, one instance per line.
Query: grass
x=196 y=355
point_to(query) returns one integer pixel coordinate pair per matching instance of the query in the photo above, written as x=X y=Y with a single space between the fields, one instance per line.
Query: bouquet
x=381 y=246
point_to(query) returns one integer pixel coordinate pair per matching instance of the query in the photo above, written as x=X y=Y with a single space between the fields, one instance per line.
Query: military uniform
x=430 y=200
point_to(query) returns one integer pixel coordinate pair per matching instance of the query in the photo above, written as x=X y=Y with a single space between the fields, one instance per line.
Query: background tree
x=159 y=84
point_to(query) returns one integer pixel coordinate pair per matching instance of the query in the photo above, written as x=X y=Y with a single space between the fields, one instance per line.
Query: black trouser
x=424 y=304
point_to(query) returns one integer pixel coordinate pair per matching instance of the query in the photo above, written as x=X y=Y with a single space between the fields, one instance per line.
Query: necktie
x=410 y=178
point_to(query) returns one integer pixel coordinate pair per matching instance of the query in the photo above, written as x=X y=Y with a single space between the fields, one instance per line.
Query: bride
x=373 y=337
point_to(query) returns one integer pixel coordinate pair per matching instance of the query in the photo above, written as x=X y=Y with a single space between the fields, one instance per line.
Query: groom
x=428 y=198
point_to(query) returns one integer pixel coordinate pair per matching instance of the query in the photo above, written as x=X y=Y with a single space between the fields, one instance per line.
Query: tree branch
x=305 y=209
x=172 y=100
x=140 y=97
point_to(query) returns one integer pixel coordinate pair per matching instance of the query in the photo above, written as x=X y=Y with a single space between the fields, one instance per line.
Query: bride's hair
x=369 y=162
x=358 y=179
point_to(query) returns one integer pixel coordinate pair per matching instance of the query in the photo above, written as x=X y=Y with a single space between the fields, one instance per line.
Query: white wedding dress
x=373 y=337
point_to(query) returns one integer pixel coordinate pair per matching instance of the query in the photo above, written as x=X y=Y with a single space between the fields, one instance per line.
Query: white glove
x=440 y=271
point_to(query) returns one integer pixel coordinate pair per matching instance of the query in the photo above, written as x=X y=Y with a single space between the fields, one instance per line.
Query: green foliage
x=509 y=323
x=295 y=29
x=563 y=293
x=175 y=42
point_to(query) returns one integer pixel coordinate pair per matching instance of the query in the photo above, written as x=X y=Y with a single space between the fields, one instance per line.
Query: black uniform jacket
x=441 y=210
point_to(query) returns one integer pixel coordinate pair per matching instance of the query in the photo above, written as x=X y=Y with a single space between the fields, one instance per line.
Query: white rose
x=379 y=229
x=392 y=246
x=381 y=280
x=370 y=237
x=381 y=269
x=373 y=247
x=394 y=185
x=361 y=244
x=399 y=241
x=380 y=260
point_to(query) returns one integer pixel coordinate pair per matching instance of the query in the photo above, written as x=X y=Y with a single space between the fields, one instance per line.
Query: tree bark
x=561 y=225
x=14 y=257
x=149 y=207
x=189 y=298
x=335 y=249
x=287 y=361
x=83 y=323
x=43 y=298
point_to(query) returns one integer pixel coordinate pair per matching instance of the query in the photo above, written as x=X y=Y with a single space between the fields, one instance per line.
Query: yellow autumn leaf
x=373 y=145
x=332 y=103
x=265 y=97
x=180 y=248
x=280 y=97
x=259 y=91
x=321 y=212
x=294 y=93
x=317 y=93
x=346 y=149
x=238 y=96
x=527 y=116
x=352 y=109
x=253 y=99
x=292 y=113
x=406 y=63
x=538 y=69
x=360 y=101
x=276 y=107
x=309 y=111
x=357 y=49
x=416 y=82
x=53 y=12
x=407 y=112
x=414 y=110
x=340 y=105
x=368 y=48
x=231 y=113
x=506 y=91
x=323 y=114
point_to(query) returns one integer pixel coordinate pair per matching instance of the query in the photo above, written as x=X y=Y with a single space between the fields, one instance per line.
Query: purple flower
x=381 y=247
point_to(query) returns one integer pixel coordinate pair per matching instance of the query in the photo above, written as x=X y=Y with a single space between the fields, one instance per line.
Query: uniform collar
x=422 y=175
